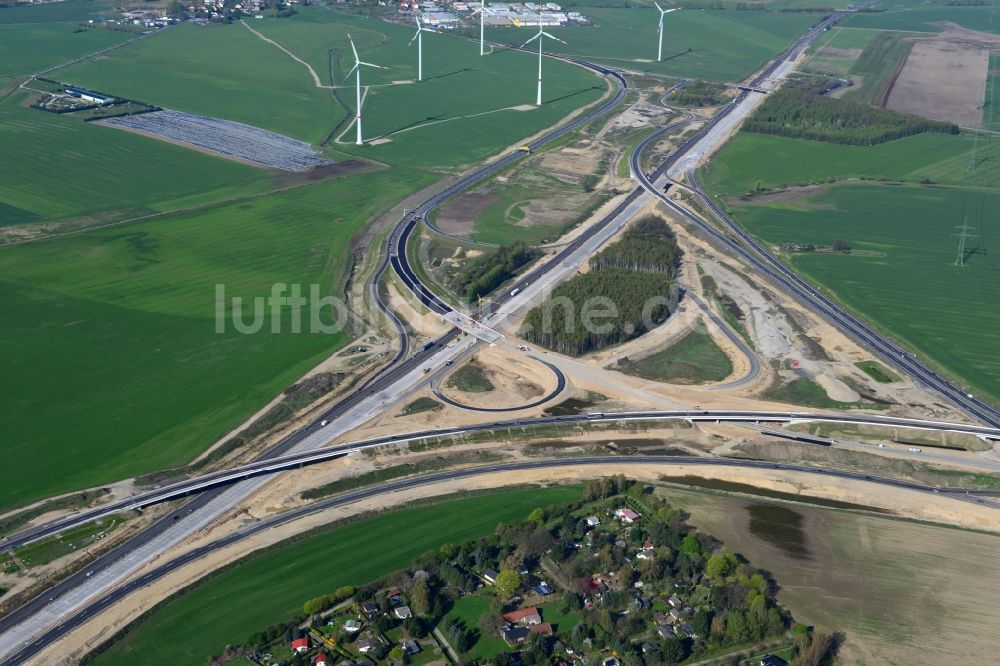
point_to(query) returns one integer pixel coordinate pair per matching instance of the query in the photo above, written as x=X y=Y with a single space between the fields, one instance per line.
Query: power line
x=964 y=233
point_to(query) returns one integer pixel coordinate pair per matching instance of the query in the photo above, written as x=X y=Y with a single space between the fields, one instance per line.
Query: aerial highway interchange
x=79 y=597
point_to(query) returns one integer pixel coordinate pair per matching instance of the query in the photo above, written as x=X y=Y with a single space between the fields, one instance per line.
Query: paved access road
x=81 y=616
x=384 y=387
x=265 y=467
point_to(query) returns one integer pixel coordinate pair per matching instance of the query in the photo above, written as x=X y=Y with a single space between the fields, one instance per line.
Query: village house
x=524 y=616
x=300 y=645
x=514 y=636
x=402 y=612
x=627 y=516
x=490 y=576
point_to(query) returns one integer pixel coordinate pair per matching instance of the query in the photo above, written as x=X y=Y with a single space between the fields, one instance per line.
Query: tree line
x=488 y=272
x=628 y=290
x=801 y=115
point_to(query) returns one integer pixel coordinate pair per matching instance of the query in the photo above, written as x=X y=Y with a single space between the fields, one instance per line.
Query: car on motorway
x=324 y=422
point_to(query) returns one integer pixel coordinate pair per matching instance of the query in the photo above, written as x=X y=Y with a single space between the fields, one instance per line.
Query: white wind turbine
x=420 y=48
x=538 y=36
x=357 y=71
x=659 y=30
x=482 y=21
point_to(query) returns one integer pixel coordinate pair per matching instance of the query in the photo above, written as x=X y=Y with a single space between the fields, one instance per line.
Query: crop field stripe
x=111 y=333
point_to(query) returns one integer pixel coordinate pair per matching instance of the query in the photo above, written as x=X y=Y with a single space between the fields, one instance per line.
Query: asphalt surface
x=78 y=618
x=736 y=339
x=401 y=366
x=207 y=482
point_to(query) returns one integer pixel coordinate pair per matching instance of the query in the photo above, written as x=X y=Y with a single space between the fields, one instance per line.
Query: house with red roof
x=627 y=516
x=322 y=660
x=300 y=645
x=523 y=616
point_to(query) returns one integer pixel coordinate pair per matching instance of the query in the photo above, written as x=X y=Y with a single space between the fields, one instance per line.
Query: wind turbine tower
x=482 y=30
x=420 y=48
x=541 y=33
x=659 y=30
x=356 y=70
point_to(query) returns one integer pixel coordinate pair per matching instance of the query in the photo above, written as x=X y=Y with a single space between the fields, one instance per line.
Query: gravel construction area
x=226 y=138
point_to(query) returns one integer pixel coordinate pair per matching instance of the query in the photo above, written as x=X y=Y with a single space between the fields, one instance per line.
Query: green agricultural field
x=694 y=359
x=248 y=80
x=273 y=587
x=714 y=45
x=460 y=115
x=902 y=273
x=877 y=66
x=56 y=12
x=27 y=49
x=835 y=52
x=991 y=110
x=921 y=18
x=108 y=337
x=57 y=166
x=755 y=162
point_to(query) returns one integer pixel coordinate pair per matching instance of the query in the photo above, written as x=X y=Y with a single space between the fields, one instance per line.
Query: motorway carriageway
x=80 y=617
x=292 y=461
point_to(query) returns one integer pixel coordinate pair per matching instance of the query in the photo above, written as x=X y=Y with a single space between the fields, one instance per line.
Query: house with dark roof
x=543 y=589
x=515 y=635
x=771 y=660
x=369 y=609
x=490 y=576
x=410 y=646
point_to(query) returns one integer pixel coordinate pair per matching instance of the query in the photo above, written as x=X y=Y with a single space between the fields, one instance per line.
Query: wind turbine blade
x=537 y=35
x=437 y=32
x=356 y=65
x=417 y=19
x=413 y=39
x=658 y=7
x=368 y=64
x=552 y=37
x=671 y=10
x=356 y=58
